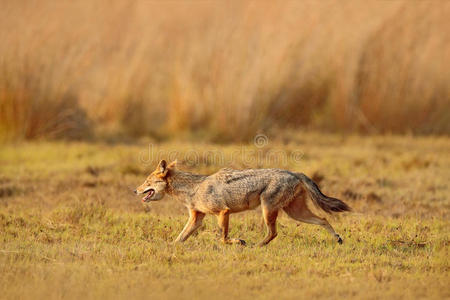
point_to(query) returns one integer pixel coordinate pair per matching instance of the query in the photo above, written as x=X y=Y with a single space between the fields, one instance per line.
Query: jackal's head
x=154 y=187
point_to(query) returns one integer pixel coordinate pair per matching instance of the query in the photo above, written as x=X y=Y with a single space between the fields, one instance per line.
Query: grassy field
x=70 y=226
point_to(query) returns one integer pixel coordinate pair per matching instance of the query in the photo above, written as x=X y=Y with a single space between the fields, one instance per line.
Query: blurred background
x=222 y=71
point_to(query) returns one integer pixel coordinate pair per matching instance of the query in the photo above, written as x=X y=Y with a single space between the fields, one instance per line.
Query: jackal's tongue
x=149 y=195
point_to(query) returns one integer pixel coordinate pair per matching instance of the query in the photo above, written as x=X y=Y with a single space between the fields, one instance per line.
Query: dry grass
x=225 y=70
x=70 y=226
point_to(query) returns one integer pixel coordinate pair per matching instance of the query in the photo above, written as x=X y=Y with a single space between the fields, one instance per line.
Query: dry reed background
x=222 y=70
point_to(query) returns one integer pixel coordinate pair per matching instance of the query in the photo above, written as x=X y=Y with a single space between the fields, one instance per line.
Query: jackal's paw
x=177 y=241
x=241 y=242
x=339 y=239
x=236 y=241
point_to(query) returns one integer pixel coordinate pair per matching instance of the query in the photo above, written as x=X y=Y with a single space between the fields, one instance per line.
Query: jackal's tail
x=326 y=203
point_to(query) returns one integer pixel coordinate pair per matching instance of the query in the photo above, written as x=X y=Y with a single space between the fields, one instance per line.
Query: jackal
x=230 y=191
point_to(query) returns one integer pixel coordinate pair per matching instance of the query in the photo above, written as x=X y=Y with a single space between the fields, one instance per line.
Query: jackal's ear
x=162 y=166
x=173 y=164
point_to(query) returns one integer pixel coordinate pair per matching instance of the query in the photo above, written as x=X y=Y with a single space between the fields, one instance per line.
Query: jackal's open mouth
x=149 y=193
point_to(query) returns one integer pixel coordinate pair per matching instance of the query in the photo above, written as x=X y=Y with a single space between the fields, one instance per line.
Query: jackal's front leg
x=194 y=222
x=223 y=219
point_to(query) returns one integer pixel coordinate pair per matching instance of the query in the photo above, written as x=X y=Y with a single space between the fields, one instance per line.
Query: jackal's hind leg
x=194 y=222
x=270 y=218
x=299 y=211
x=223 y=219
